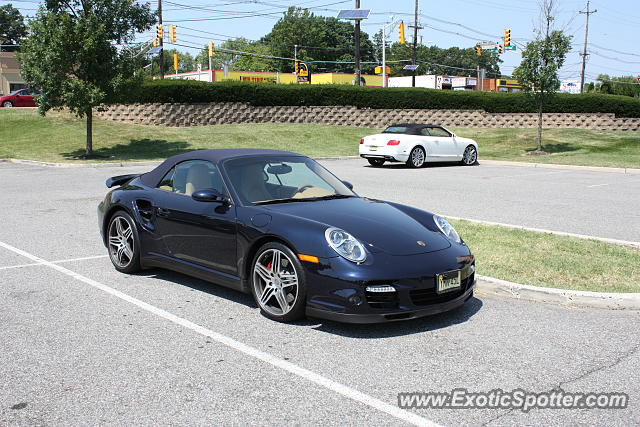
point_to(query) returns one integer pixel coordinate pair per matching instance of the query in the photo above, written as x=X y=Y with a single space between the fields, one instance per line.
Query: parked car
x=280 y=226
x=19 y=98
x=416 y=144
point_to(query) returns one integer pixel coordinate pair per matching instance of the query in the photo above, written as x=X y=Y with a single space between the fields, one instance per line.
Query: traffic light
x=160 y=32
x=175 y=62
x=297 y=65
x=401 y=38
x=172 y=33
x=478 y=50
x=212 y=52
x=501 y=49
x=507 y=37
x=156 y=43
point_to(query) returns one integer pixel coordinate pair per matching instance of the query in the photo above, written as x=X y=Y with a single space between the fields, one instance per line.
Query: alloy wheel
x=470 y=155
x=275 y=282
x=7 y=104
x=121 y=243
x=417 y=157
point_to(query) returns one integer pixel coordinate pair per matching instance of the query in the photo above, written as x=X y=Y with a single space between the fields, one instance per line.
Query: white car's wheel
x=417 y=157
x=470 y=156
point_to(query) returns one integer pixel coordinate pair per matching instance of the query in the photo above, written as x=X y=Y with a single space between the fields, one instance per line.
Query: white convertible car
x=416 y=144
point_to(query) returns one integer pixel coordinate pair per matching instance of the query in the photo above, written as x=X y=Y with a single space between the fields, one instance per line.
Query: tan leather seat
x=252 y=186
x=198 y=178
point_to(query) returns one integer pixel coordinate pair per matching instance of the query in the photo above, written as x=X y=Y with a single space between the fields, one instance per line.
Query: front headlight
x=447 y=229
x=345 y=245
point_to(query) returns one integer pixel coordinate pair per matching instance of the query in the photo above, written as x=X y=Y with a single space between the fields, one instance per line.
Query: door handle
x=162 y=212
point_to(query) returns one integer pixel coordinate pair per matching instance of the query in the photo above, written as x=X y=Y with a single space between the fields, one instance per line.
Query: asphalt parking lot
x=84 y=344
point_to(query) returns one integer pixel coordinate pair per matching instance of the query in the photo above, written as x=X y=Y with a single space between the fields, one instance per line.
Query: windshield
x=276 y=179
x=396 y=129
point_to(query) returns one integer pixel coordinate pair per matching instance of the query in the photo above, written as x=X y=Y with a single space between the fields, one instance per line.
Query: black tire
x=376 y=162
x=417 y=157
x=7 y=104
x=297 y=310
x=469 y=156
x=132 y=263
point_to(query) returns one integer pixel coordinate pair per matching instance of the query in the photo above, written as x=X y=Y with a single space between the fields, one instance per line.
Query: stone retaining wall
x=228 y=113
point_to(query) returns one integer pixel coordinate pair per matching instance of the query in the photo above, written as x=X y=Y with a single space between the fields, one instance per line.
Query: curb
x=565 y=297
x=557 y=166
x=545 y=231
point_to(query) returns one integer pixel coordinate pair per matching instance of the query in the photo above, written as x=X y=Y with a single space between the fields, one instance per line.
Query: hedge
x=260 y=94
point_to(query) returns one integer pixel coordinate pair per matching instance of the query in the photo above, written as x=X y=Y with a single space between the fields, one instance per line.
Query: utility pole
x=357 y=43
x=161 y=40
x=414 y=57
x=295 y=61
x=584 y=51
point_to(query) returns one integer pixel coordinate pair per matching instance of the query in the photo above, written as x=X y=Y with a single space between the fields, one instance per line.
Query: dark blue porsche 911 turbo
x=280 y=226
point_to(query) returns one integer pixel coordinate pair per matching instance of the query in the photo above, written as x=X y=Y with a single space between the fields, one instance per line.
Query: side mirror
x=209 y=195
x=348 y=185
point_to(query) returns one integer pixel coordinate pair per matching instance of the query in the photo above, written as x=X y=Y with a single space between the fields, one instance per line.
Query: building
x=432 y=81
x=501 y=85
x=269 y=77
x=10 y=78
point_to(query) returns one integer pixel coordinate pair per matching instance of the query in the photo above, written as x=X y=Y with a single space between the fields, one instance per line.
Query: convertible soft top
x=412 y=128
x=214 y=156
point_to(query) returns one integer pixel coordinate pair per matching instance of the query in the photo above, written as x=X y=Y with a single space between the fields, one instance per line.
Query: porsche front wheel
x=277 y=283
x=123 y=243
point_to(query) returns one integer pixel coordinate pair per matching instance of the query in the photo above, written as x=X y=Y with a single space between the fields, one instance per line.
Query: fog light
x=381 y=288
x=355 y=300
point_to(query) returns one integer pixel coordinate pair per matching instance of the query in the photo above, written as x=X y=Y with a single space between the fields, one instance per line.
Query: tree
x=12 y=27
x=186 y=62
x=257 y=62
x=624 y=85
x=317 y=38
x=71 y=53
x=541 y=60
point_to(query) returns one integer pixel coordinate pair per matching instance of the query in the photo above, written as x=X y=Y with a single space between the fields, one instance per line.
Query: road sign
x=488 y=46
x=356 y=14
x=512 y=47
x=155 y=50
x=410 y=67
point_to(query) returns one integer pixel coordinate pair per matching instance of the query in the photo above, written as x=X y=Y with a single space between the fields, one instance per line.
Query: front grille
x=382 y=299
x=430 y=296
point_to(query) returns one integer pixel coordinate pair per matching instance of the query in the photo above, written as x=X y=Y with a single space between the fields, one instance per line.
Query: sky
x=613 y=48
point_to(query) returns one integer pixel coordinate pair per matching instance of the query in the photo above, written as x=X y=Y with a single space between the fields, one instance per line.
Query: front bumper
x=392 y=317
x=337 y=288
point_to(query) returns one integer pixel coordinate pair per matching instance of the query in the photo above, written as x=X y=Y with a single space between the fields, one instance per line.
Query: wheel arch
x=251 y=253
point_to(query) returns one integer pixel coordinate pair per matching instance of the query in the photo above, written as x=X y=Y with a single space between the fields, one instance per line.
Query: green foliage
x=318 y=38
x=625 y=85
x=459 y=62
x=71 y=53
x=12 y=28
x=188 y=91
x=236 y=61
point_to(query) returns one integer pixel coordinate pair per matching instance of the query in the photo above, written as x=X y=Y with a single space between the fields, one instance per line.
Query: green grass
x=566 y=146
x=550 y=260
x=60 y=137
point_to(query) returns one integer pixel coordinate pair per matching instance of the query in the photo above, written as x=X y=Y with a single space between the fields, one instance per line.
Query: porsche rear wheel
x=470 y=156
x=416 y=158
x=277 y=283
x=123 y=243
x=7 y=104
x=376 y=162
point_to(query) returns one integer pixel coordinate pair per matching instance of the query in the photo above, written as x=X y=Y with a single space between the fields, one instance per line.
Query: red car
x=19 y=98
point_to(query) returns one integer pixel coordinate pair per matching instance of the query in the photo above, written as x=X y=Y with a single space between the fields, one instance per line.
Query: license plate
x=448 y=281
x=373 y=148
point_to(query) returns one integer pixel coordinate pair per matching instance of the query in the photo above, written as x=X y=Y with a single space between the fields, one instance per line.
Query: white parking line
x=313 y=377
x=596 y=185
x=53 y=262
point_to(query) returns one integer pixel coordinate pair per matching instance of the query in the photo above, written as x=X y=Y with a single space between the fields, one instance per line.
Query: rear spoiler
x=120 y=179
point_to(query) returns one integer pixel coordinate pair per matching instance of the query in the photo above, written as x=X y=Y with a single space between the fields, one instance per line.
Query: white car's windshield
x=283 y=179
